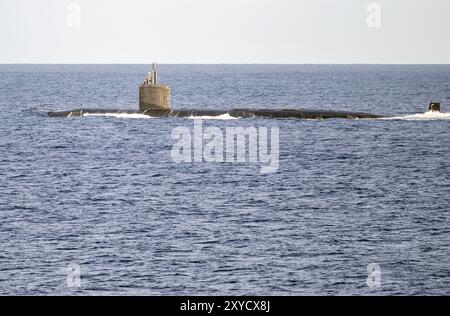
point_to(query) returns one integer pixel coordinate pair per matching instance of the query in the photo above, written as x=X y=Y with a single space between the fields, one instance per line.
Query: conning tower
x=152 y=95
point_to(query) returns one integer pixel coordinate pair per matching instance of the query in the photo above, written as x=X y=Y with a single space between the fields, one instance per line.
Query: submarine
x=155 y=100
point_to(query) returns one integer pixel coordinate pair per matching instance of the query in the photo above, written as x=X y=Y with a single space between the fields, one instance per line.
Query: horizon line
x=194 y=63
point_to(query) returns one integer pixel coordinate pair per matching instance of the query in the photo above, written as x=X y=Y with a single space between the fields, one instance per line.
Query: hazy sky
x=224 y=31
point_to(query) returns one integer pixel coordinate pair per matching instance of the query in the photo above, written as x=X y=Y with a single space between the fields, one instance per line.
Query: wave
x=422 y=116
x=225 y=116
x=120 y=115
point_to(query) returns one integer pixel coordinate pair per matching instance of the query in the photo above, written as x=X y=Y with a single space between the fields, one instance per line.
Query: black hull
x=238 y=113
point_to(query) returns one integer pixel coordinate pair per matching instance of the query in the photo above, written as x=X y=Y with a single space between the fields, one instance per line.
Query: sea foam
x=120 y=115
x=225 y=116
x=422 y=116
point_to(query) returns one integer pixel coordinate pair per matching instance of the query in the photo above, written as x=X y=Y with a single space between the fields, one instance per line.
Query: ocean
x=97 y=206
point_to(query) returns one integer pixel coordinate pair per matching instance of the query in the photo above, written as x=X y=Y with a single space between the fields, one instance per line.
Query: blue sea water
x=103 y=192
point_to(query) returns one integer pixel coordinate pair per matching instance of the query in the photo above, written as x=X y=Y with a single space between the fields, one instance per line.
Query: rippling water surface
x=103 y=193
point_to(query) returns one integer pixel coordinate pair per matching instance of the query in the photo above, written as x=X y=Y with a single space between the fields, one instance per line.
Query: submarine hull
x=238 y=113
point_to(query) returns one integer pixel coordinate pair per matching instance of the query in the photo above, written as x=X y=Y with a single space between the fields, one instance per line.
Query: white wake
x=120 y=115
x=422 y=116
x=225 y=116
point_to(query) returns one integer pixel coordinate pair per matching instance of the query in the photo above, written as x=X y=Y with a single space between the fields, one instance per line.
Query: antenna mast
x=154 y=76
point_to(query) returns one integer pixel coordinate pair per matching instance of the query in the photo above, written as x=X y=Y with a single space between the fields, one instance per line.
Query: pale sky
x=224 y=31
